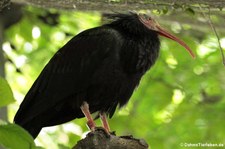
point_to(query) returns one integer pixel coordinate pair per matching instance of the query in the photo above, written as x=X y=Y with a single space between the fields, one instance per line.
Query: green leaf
x=14 y=137
x=165 y=10
x=6 y=95
x=190 y=11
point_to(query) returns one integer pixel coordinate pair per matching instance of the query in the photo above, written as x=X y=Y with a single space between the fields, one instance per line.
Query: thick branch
x=3 y=4
x=121 y=5
x=99 y=139
x=126 y=5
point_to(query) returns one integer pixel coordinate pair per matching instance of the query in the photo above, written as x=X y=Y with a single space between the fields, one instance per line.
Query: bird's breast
x=110 y=86
x=138 y=56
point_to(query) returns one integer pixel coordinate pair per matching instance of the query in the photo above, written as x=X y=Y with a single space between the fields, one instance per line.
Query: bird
x=95 y=72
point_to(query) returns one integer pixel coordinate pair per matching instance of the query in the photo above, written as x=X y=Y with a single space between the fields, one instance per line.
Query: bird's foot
x=105 y=123
x=107 y=133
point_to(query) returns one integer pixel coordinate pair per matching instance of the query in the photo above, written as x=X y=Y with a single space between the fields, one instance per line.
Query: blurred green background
x=180 y=100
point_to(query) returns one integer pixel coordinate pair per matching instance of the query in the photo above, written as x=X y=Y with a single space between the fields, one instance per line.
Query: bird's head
x=151 y=24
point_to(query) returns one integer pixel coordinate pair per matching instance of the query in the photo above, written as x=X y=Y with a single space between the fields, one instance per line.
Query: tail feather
x=33 y=131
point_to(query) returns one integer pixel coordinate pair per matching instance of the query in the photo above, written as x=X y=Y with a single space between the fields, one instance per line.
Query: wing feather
x=69 y=71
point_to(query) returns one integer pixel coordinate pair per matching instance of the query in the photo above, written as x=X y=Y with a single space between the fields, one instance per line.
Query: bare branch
x=120 y=5
x=99 y=139
x=214 y=30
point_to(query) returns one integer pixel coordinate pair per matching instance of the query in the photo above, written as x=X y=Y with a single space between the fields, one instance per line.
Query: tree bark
x=3 y=112
x=3 y=4
x=104 y=5
x=99 y=139
x=7 y=18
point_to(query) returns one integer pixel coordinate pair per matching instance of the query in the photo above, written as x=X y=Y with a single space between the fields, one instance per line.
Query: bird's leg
x=90 y=122
x=104 y=121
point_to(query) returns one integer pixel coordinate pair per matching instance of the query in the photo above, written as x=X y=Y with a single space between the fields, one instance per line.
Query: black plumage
x=101 y=66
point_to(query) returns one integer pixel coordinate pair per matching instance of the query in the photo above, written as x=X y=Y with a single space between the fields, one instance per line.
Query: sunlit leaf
x=14 y=137
x=6 y=95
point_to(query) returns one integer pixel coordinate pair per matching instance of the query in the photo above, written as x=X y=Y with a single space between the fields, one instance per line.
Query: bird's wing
x=69 y=71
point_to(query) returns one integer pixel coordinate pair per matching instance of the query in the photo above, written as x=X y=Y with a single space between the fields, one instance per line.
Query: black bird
x=96 y=71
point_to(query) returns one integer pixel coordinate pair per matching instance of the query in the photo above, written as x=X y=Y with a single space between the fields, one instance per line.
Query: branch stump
x=99 y=139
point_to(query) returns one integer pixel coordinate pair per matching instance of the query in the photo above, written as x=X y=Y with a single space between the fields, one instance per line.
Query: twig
x=214 y=30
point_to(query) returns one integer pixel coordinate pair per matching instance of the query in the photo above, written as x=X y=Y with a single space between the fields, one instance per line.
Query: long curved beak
x=153 y=25
x=166 y=34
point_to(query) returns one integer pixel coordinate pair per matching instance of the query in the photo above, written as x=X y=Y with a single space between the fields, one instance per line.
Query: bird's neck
x=139 y=53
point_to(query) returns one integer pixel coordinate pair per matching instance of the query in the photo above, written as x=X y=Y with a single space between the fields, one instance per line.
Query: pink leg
x=105 y=122
x=90 y=122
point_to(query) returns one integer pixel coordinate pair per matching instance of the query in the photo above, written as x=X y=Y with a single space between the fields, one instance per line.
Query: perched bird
x=96 y=71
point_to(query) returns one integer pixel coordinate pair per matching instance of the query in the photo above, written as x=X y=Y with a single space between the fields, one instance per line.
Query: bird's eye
x=148 y=18
x=145 y=17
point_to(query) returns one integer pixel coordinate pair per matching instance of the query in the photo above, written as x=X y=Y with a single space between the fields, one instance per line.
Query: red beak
x=153 y=25
x=166 y=34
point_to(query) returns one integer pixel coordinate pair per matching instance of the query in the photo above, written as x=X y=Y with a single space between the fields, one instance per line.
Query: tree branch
x=120 y=5
x=99 y=139
x=3 y=4
x=171 y=16
x=216 y=34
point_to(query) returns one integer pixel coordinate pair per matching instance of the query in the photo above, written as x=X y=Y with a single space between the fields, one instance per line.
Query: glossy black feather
x=102 y=66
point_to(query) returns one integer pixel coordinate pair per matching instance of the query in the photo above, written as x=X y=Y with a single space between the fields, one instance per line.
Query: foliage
x=11 y=135
x=6 y=95
x=14 y=137
x=180 y=100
